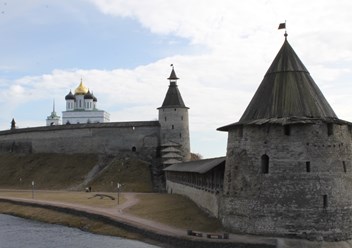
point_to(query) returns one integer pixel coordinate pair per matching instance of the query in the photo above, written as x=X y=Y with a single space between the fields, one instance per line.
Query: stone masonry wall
x=103 y=138
x=302 y=188
x=175 y=127
x=204 y=199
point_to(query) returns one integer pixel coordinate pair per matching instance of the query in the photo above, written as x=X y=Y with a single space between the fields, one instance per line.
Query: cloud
x=238 y=40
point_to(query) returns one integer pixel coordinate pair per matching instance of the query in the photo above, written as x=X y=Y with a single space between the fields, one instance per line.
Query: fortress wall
x=102 y=138
x=203 y=199
x=306 y=189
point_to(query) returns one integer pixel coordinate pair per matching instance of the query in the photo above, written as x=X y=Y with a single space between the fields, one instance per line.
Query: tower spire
x=173 y=78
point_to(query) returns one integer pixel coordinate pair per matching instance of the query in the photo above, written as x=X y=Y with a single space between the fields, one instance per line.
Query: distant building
x=53 y=119
x=81 y=107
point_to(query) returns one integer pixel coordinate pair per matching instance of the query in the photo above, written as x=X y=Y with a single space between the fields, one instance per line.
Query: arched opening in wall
x=134 y=149
x=330 y=127
x=308 y=166
x=172 y=127
x=265 y=164
x=287 y=130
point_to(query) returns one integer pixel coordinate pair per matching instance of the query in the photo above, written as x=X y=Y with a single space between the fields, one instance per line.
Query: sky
x=122 y=50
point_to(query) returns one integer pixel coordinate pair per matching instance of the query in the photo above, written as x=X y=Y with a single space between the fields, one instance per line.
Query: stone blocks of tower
x=174 y=127
x=292 y=180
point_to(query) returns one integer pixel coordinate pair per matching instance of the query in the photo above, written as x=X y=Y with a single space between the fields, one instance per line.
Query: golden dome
x=81 y=89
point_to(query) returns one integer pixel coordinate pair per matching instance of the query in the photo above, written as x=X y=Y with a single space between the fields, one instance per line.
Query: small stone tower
x=288 y=165
x=173 y=118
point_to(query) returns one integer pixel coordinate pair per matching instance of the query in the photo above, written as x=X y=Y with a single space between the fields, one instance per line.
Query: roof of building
x=287 y=95
x=173 y=98
x=172 y=161
x=70 y=96
x=173 y=75
x=197 y=166
x=81 y=89
x=171 y=149
x=89 y=95
x=171 y=155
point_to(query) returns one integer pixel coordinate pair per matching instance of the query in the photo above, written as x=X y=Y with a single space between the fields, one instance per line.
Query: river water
x=22 y=233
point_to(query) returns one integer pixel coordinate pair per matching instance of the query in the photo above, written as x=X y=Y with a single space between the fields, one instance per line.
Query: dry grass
x=175 y=210
x=49 y=171
x=81 y=198
x=135 y=175
x=64 y=171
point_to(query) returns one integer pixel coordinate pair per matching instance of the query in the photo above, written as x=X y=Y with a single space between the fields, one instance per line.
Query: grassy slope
x=63 y=171
x=175 y=210
x=133 y=174
x=48 y=171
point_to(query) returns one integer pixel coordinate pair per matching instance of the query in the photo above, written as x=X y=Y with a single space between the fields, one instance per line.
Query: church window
x=344 y=166
x=165 y=118
x=330 y=129
x=265 y=164
x=172 y=127
x=308 y=166
x=80 y=103
x=180 y=135
x=287 y=130
x=134 y=149
x=325 y=201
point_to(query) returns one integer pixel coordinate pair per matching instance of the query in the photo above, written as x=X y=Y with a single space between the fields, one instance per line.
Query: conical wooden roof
x=287 y=94
x=173 y=98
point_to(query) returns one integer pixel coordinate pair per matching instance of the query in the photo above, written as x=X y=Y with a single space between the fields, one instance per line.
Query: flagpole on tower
x=283 y=26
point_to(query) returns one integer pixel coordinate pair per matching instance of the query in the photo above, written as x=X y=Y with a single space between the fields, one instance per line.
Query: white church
x=81 y=108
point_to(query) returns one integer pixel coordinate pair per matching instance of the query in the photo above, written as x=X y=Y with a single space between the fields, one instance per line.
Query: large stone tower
x=288 y=167
x=173 y=118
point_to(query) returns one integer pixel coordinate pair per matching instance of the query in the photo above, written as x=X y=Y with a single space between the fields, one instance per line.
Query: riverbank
x=146 y=217
x=109 y=221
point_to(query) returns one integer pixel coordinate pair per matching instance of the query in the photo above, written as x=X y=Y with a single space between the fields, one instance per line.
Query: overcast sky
x=123 y=50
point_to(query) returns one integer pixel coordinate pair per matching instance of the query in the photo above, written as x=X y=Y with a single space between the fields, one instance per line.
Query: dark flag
x=282 y=26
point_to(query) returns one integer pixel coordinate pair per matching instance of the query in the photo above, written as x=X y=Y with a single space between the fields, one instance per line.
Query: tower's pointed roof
x=173 y=98
x=287 y=94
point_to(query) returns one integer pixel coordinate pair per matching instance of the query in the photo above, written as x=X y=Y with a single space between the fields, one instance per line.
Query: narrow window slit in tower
x=265 y=164
x=308 y=166
x=344 y=166
x=325 y=201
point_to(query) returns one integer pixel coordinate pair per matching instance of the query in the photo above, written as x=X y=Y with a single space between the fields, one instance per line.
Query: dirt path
x=119 y=213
